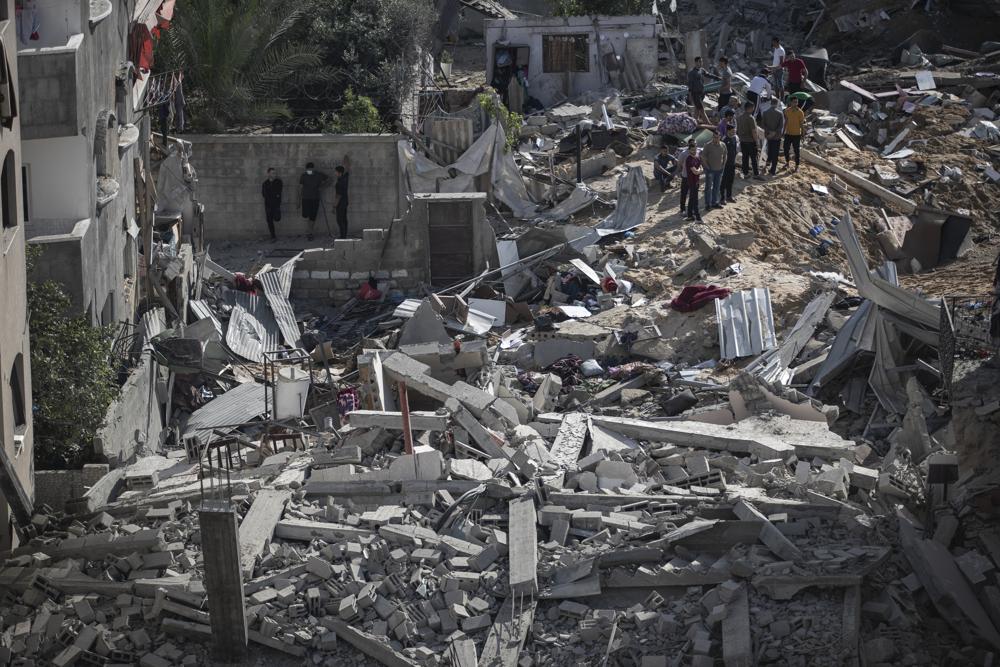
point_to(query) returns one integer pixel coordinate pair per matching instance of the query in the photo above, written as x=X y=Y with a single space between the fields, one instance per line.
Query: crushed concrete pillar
x=223 y=578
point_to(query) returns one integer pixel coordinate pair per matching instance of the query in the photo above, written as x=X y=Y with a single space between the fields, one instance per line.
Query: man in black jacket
x=270 y=190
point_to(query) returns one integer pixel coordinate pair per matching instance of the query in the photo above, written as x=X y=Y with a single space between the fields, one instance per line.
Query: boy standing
x=692 y=165
x=729 y=171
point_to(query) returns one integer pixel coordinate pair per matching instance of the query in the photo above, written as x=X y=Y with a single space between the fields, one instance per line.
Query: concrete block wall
x=336 y=273
x=133 y=418
x=231 y=169
x=55 y=487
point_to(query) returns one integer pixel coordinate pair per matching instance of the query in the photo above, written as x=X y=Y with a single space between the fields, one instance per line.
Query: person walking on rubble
x=340 y=195
x=773 y=123
x=696 y=90
x=747 y=133
x=664 y=168
x=777 y=59
x=270 y=190
x=692 y=149
x=310 y=184
x=797 y=72
x=693 y=167
x=713 y=157
x=795 y=125
x=729 y=171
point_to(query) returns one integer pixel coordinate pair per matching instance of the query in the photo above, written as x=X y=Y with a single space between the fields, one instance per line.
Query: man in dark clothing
x=270 y=190
x=729 y=171
x=693 y=167
x=340 y=196
x=696 y=90
x=310 y=184
x=664 y=167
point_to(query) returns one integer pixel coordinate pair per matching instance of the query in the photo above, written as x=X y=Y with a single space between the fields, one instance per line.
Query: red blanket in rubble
x=694 y=297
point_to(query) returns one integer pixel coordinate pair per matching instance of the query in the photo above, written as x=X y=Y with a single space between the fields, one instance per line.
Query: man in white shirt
x=759 y=89
x=778 y=57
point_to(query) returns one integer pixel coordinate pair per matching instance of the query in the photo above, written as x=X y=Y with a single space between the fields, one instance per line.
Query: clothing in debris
x=270 y=190
x=694 y=297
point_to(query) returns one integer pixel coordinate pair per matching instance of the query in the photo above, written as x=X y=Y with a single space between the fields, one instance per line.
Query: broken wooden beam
x=890 y=198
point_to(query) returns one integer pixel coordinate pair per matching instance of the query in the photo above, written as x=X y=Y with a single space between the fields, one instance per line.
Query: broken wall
x=635 y=35
x=231 y=169
x=134 y=419
x=55 y=487
x=402 y=257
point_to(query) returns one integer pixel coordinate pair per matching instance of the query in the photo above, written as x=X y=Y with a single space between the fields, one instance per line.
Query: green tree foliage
x=243 y=60
x=371 y=48
x=357 y=116
x=601 y=7
x=512 y=122
x=72 y=382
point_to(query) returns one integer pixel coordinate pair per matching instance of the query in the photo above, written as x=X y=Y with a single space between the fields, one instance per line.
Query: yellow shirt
x=795 y=118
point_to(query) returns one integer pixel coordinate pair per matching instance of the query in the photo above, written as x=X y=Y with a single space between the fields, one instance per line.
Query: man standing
x=797 y=72
x=310 y=183
x=726 y=90
x=694 y=169
x=270 y=190
x=772 y=122
x=729 y=171
x=692 y=149
x=664 y=167
x=777 y=58
x=758 y=88
x=795 y=125
x=340 y=195
x=713 y=157
x=746 y=132
x=696 y=90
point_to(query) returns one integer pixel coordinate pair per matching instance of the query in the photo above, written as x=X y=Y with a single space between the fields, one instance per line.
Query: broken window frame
x=573 y=54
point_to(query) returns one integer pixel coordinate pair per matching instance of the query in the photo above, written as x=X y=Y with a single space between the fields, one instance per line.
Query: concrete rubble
x=552 y=463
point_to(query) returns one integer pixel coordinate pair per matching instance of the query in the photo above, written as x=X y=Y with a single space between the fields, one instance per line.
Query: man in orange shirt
x=795 y=126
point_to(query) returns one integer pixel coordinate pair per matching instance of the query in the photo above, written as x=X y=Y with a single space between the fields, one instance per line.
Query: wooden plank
x=523 y=544
x=891 y=198
x=857 y=89
x=258 y=526
x=507 y=634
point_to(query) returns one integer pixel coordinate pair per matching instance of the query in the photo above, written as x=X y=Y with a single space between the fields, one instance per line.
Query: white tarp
x=630 y=210
x=487 y=154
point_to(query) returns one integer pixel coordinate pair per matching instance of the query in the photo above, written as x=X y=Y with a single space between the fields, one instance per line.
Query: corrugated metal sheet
x=746 y=324
x=772 y=366
x=277 y=286
x=448 y=138
x=237 y=406
x=250 y=340
x=407 y=308
x=200 y=309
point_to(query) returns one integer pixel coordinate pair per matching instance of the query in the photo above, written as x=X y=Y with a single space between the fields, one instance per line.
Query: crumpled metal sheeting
x=277 y=286
x=888 y=296
x=250 y=341
x=633 y=196
x=201 y=310
x=239 y=405
x=773 y=365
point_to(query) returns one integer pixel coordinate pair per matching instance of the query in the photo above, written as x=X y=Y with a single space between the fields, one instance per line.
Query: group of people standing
x=761 y=121
x=310 y=197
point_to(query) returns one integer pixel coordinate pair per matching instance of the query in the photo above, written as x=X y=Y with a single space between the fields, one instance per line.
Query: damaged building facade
x=16 y=445
x=83 y=90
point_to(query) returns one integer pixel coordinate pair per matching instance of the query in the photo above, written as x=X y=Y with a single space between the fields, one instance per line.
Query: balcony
x=48 y=77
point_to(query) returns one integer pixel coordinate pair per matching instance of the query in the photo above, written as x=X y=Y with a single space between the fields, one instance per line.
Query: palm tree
x=240 y=58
